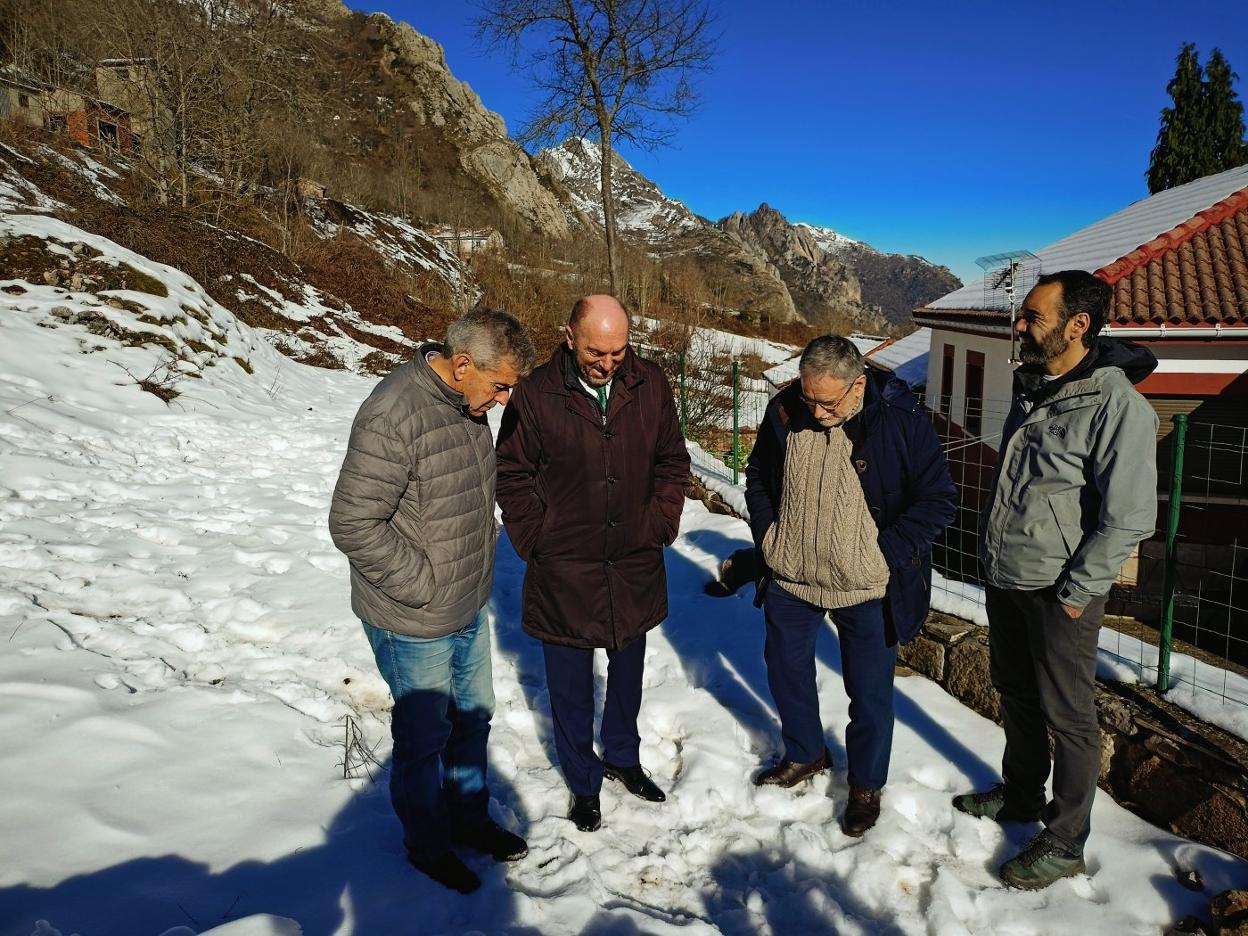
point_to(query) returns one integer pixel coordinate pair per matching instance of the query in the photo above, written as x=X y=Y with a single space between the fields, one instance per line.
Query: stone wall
x=1156 y=759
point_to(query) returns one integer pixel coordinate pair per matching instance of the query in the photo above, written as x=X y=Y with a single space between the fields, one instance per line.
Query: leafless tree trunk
x=618 y=68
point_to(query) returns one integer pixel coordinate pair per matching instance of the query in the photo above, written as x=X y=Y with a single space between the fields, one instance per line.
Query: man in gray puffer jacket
x=1075 y=491
x=414 y=512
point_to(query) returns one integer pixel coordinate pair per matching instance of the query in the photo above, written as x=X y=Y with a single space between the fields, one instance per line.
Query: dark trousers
x=1044 y=665
x=867 y=664
x=570 y=682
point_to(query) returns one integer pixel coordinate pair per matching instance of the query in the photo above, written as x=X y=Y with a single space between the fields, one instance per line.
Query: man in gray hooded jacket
x=1075 y=491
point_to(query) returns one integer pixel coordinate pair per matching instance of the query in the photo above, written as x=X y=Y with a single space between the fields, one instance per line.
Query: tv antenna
x=1007 y=278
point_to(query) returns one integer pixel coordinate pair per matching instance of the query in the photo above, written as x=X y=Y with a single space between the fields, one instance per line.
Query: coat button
x=610 y=479
x=612 y=523
x=609 y=562
x=608 y=435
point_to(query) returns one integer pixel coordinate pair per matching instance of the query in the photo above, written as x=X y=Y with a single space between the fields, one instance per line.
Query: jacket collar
x=425 y=377
x=883 y=391
x=1135 y=361
x=562 y=376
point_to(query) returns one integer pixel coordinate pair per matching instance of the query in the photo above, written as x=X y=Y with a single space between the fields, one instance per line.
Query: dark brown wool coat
x=590 y=503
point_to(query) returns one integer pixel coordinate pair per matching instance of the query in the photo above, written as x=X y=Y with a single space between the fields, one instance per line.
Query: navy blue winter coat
x=905 y=480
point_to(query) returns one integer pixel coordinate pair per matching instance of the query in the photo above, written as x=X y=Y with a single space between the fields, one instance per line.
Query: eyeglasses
x=830 y=407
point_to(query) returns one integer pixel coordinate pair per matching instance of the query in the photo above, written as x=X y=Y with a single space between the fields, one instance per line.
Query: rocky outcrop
x=897 y=283
x=424 y=85
x=825 y=291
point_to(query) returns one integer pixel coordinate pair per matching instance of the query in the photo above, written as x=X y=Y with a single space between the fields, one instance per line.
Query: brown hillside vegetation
x=260 y=96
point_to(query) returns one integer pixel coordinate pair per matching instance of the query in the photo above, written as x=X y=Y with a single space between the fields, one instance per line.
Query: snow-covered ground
x=180 y=657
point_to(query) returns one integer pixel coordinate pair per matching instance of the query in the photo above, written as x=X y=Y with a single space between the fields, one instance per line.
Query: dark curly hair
x=1082 y=292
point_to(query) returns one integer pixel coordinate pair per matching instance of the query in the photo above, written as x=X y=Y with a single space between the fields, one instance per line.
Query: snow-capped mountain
x=641 y=207
x=838 y=275
x=828 y=240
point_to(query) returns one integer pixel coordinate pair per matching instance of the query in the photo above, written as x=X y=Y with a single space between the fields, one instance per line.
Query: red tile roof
x=1194 y=274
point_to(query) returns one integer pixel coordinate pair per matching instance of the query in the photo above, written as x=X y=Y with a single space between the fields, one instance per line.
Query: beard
x=1037 y=354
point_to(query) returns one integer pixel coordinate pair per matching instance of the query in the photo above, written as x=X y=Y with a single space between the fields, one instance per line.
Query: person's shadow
x=720 y=645
x=721 y=649
x=358 y=880
x=523 y=651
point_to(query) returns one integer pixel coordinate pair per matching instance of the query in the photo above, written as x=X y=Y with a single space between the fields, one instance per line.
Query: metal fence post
x=736 y=422
x=1172 y=529
x=684 y=416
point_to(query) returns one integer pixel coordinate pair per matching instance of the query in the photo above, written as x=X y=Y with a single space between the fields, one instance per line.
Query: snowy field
x=179 y=657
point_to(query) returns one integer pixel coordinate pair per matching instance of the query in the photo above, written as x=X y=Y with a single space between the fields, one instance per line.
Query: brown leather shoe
x=789 y=773
x=861 y=812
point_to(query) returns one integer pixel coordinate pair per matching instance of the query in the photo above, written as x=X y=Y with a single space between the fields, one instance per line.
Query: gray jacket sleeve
x=374 y=477
x=1124 y=471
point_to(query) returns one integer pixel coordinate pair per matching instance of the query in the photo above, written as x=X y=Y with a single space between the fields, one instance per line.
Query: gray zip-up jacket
x=414 y=506
x=1076 y=482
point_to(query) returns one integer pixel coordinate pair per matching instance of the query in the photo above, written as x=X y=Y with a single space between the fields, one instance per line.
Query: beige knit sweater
x=823 y=546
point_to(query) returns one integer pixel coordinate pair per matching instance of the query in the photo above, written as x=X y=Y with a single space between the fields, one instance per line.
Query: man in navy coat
x=847 y=489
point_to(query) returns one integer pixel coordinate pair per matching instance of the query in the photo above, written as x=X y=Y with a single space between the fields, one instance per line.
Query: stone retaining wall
x=1157 y=760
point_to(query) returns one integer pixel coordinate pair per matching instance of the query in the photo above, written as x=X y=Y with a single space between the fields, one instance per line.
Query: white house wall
x=998 y=378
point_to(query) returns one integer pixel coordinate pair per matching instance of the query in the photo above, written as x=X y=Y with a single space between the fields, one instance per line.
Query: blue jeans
x=443 y=700
x=867 y=663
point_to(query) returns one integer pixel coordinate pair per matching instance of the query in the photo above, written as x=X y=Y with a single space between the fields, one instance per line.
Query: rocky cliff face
x=825 y=291
x=897 y=283
x=421 y=83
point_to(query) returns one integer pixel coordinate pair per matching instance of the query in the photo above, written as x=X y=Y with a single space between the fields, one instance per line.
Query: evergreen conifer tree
x=1203 y=132
x=1182 y=152
x=1224 y=114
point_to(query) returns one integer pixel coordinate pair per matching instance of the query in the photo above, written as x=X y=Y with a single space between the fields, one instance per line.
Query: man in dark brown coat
x=413 y=511
x=591 y=473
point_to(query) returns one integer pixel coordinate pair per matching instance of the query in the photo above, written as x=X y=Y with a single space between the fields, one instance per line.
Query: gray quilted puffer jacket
x=414 y=506
x=1076 y=480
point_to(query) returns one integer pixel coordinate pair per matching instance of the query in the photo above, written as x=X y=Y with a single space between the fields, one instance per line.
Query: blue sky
x=949 y=130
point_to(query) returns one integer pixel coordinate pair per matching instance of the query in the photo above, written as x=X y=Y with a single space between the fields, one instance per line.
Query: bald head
x=604 y=309
x=597 y=334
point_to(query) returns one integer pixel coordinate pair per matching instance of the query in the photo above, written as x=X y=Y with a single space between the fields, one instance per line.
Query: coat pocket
x=1066 y=516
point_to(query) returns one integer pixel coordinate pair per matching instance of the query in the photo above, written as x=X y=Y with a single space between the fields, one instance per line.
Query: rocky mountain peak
x=825 y=291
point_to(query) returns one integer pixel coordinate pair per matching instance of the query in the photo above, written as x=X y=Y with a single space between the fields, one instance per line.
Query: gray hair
x=490 y=337
x=832 y=356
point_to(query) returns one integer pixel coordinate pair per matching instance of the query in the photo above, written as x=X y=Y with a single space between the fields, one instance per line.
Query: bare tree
x=620 y=69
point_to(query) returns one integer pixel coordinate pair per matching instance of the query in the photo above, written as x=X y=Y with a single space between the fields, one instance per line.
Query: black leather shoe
x=448 y=871
x=586 y=813
x=862 y=810
x=635 y=781
x=789 y=773
x=495 y=841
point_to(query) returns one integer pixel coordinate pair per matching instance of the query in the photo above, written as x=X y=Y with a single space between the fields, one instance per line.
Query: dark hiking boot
x=495 y=841
x=862 y=810
x=586 y=813
x=636 y=781
x=789 y=773
x=448 y=871
x=993 y=804
x=1042 y=862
